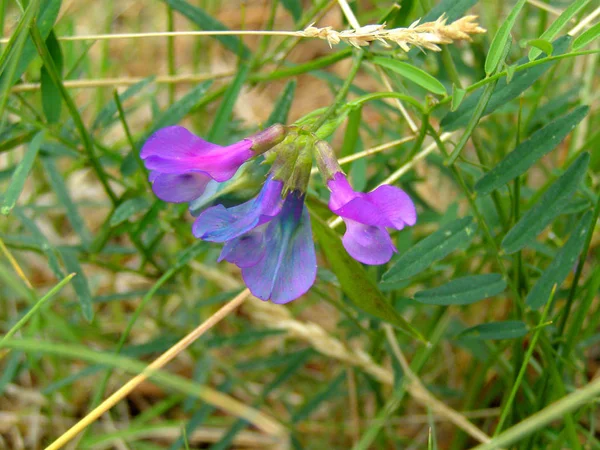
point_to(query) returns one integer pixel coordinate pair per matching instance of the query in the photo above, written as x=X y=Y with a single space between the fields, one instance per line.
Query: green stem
x=85 y=137
x=341 y=94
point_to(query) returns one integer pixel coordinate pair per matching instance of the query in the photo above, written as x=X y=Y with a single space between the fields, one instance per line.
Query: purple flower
x=181 y=164
x=368 y=215
x=269 y=238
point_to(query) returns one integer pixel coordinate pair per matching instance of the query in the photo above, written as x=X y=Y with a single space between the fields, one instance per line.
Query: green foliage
x=490 y=305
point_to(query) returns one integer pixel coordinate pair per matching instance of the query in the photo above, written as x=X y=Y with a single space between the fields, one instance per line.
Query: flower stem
x=341 y=94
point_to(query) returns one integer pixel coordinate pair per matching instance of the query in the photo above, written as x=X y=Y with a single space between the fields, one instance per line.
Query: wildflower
x=181 y=164
x=367 y=215
x=269 y=237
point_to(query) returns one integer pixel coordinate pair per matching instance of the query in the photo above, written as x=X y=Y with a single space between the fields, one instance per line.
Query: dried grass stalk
x=428 y=35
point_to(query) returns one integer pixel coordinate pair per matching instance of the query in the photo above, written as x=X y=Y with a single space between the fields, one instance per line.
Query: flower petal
x=179 y=188
x=220 y=224
x=341 y=191
x=289 y=266
x=246 y=250
x=395 y=204
x=175 y=143
x=368 y=244
x=361 y=210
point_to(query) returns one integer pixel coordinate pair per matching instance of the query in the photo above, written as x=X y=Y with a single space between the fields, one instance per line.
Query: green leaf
x=501 y=38
x=458 y=94
x=543 y=45
x=561 y=265
x=127 y=209
x=107 y=113
x=20 y=174
x=412 y=73
x=549 y=205
x=508 y=329
x=283 y=104
x=223 y=115
x=294 y=7
x=60 y=190
x=80 y=283
x=51 y=97
x=206 y=22
x=586 y=37
x=434 y=247
x=528 y=152
x=12 y=54
x=463 y=291
x=182 y=107
x=558 y=25
x=504 y=91
x=48 y=12
x=41 y=240
x=352 y=133
x=355 y=283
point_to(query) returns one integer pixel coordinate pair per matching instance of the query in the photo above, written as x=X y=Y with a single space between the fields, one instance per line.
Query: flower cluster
x=269 y=237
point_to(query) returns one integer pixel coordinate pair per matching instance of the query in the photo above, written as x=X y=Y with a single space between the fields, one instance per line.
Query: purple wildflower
x=367 y=215
x=181 y=164
x=269 y=238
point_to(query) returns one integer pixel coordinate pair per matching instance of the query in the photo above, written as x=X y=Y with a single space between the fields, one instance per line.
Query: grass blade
x=528 y=152
x=502 y=36
x=412 y=73
x=434 y=247
x=463 y=291
x=20 y=174
x=549 y=205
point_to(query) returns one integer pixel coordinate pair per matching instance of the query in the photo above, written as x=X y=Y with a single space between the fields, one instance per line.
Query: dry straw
x=428 y=35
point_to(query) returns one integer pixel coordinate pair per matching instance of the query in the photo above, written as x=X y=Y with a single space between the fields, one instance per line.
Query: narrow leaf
x=107 y=113
x=51 y=98
x=182 y=107
x=354 y=280
x=504 y=91
x=463 y=291
x=206 y=22
x=20 y=174
x=501 y=38
x=587 y=37
x=528 y=152
x=558 y=25
x=412 y=73
x=508 y=329
x=283 y=104
x=48 y=12
x=62 y=194
x=223 y=115
x=458 y=94
x=561 y=265
x=549 y=205
x=294 y=7
x=543 y=45
x=434 y=247
x=127 y=209
x=80 y=283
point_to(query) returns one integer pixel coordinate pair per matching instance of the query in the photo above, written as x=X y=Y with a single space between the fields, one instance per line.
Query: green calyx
x=292 y=161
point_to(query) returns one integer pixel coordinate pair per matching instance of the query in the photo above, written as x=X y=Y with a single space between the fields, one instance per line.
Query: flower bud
x=326 y=161
x=266 y=139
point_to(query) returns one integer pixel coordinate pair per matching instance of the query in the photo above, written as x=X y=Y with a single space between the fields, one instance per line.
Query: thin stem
x=158 y=363
x=341 y=94
x=511 y=397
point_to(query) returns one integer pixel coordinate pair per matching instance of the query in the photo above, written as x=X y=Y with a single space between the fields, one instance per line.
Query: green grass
x=494 y=294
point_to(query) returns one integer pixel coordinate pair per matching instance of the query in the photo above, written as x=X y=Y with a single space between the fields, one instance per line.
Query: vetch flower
x=181 y=164
x=367 y=215
x=269 y=237
x=277 y=258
